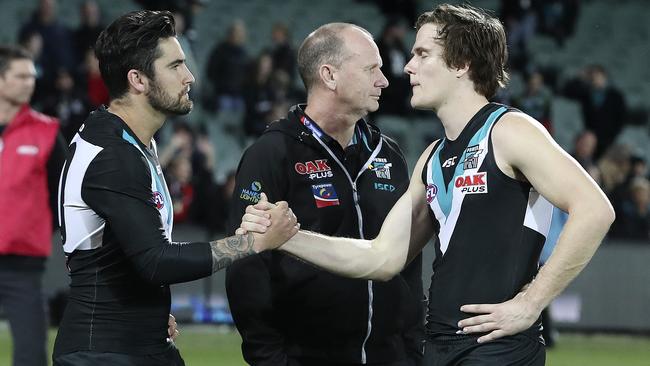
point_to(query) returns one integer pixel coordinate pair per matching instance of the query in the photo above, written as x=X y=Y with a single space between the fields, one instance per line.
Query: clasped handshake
x=271 y=224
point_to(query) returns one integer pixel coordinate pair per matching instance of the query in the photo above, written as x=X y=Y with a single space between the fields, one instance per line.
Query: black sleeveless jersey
x=491 y=227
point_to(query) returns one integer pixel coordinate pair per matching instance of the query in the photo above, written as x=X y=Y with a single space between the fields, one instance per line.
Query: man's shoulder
x=118 y=165
x=273 y=141
x=36 y=119
x=105 y=133
x=43 y=118
x=392 y=144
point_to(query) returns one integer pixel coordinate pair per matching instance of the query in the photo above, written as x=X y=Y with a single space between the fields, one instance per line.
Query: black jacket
x=285 y=308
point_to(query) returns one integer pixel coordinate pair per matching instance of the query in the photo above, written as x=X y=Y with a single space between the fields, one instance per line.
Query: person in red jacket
x=30 y=151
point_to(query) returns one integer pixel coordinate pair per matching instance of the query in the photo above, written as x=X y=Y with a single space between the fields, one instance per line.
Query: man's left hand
x=499 y=320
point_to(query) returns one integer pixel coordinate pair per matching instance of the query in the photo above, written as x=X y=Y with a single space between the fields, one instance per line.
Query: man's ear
x=460 y=71
x=137 y=80
x=327 y=74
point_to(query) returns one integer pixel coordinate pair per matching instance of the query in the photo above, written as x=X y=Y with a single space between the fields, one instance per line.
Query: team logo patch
x=253 y=193
x=158 y=200
x=472 y=183
x=381 y=167
x=325 y=195
x=432 y=192
x=316 y=169
x=472 y=153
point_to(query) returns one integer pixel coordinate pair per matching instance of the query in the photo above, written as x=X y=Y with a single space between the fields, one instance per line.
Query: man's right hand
x=271 y=224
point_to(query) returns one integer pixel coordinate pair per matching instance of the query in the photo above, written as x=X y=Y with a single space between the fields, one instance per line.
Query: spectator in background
x=558 y=18
x=221 y=204
x=614 y=169
x=180 y=144
x=58 y=52
x=583 y=151
x=31 y=156
x=604 y=110
x=178 y=175
x=226 y=69
x=258 y=95
x=395 y=55
x=536 y=100
x=633 y=218
x=406 y=9
x=69 y=104
x=520 y=21
x=188 y=161
x=189 y=8
x=32 y=42
x=96 y=90
x=89 y=28
x=639 y=167
x=282 y=52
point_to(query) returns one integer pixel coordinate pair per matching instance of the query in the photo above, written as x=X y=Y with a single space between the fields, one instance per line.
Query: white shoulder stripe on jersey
x=83 y=227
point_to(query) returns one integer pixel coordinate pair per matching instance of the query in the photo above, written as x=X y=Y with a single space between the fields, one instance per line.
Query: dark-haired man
x=31 y=156
x=115 y=211
x=486 y=189
x=341 y=176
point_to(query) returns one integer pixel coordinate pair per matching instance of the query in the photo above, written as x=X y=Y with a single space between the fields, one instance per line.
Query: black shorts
x=171 y=357
x=517 y=350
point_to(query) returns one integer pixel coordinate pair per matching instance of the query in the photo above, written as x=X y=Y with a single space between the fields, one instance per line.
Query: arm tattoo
x=227 y=250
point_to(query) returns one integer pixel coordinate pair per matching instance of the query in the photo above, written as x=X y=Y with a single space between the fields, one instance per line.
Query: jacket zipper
x=355 y=197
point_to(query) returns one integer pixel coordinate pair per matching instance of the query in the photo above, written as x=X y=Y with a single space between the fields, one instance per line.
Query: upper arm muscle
x=522 y=145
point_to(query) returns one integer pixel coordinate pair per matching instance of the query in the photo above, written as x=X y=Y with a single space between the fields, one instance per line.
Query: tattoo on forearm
x=227 y=250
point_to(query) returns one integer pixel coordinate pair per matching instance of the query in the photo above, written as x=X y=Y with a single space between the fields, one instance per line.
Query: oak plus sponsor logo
x=472 y=153
x=432 y=192
x=314 y=169
x=253 y=193
x=381 y=167
x=472 y=183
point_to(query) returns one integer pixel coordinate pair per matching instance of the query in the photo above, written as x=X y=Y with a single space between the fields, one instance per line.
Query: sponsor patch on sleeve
x=252 y=193
x=324 y=195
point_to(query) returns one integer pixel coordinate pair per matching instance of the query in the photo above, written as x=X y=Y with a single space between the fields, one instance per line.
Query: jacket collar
x=300 y=126
x=20 y=118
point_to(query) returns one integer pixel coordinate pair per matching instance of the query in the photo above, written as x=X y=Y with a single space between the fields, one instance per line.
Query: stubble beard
x=161 y=101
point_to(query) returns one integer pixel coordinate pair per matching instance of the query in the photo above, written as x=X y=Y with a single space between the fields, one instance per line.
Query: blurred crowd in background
x=259 y=88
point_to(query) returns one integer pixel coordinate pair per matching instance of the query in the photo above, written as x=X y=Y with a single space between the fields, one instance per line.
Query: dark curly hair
x=470 y=36
x=131 y=42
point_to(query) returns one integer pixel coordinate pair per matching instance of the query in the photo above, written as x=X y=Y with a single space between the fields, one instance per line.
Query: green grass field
x=217 y=346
